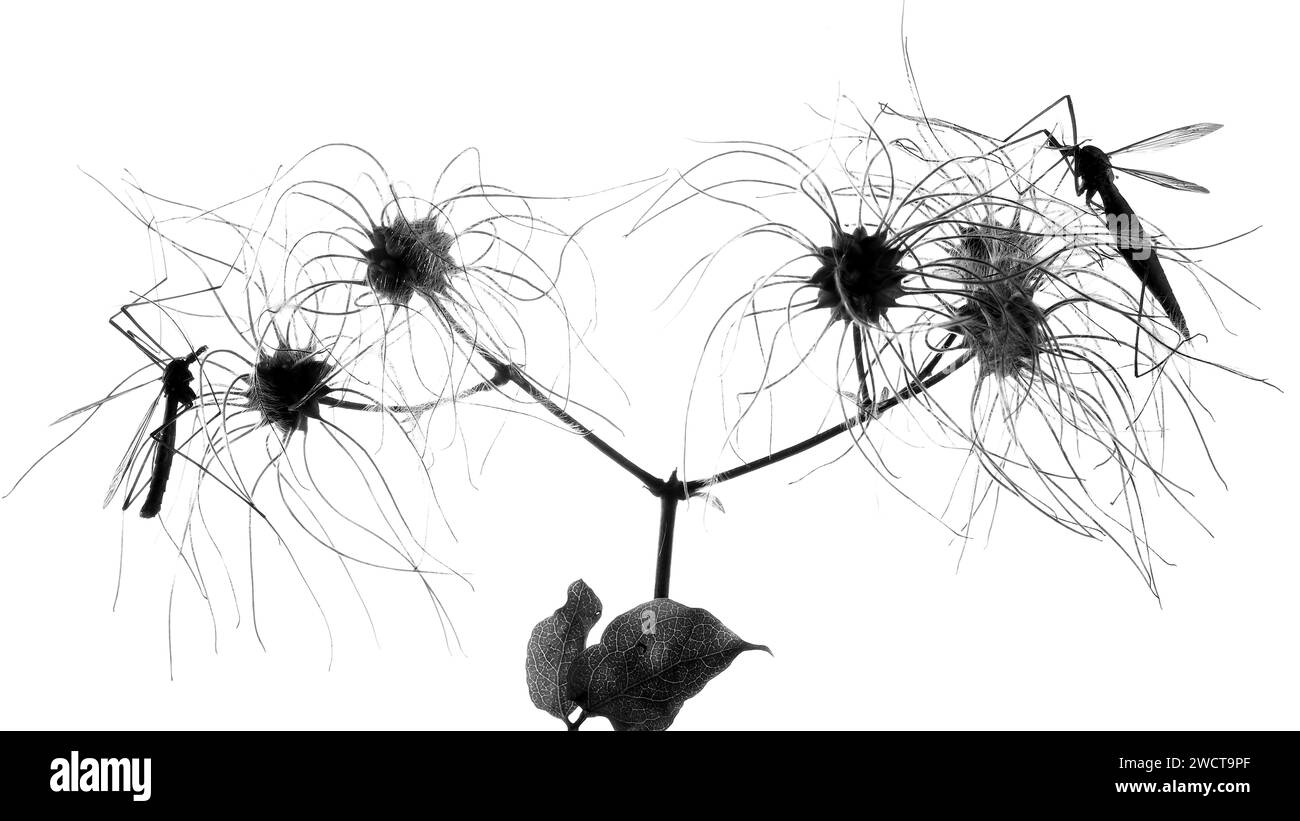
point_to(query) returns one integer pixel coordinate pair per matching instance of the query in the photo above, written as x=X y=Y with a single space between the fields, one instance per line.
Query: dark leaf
x=554 y=644
x=650 y=660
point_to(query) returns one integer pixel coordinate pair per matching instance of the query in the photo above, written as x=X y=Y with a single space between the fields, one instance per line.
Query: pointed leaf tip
x=650 y=661
x=554 y=644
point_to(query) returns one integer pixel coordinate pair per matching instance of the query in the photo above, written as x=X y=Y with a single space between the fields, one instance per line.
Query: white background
x=871 y=628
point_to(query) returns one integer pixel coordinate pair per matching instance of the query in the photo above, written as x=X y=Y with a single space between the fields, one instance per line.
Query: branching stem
x=922 y=382
x=672 y=490
x=508 y=371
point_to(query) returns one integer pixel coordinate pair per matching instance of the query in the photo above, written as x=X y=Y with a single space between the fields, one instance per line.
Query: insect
x=1094 y=176
x=156 y=446
x=146 y=465
x=176 y=392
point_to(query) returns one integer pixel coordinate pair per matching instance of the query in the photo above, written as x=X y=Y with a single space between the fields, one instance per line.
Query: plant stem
x=922 y=382
x=674 y=492
x=508 y=371
x=519 y=378
x=857 y=361
x=497 y=380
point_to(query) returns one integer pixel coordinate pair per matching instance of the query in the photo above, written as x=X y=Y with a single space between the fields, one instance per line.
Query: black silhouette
x=177 y=391
x=1094 y=175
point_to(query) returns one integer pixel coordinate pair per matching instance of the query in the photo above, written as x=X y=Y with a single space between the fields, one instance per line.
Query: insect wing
x=1168 y=139
x=1164 y=179
x=101 y=402
x=132 y=451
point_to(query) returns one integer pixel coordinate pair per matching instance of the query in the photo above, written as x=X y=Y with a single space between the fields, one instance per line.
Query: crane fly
x=1094 y=171
x=151 y=452
x=1094 y=176
x=175 y=394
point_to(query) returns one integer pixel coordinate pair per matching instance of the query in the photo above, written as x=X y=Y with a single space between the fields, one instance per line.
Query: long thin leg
x=159 y=355
x=1074 y=127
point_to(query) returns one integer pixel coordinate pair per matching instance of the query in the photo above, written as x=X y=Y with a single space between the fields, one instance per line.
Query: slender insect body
x=1094 y=174
x=176 y=388
x=1139 y=252
x=162 y=466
